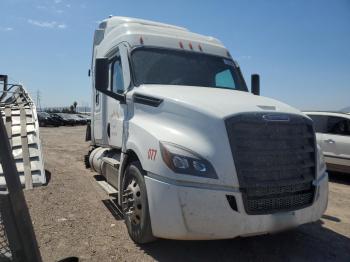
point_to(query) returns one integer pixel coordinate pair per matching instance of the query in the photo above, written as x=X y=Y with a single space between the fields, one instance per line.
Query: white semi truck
x=191 y=153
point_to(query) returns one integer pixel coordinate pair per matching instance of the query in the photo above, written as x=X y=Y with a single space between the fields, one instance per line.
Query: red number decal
x=152 y=154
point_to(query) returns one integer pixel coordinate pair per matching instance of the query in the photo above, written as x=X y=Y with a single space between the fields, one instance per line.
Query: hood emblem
x=276 y=117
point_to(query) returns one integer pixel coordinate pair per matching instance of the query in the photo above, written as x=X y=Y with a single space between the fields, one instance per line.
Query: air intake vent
x=276 y=204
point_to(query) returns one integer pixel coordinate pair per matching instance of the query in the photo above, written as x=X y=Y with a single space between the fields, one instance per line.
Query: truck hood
x=218 y=102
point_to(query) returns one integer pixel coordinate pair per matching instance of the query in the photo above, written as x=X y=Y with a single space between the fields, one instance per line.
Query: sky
x=300 y=48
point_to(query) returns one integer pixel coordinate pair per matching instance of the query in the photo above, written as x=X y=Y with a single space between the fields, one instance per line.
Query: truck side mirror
x=255 y=84
x=101 y=74
x=102 y=78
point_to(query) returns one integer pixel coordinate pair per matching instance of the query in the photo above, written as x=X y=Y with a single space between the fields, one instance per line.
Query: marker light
x=200 y=48
x=190 y=46
x=141 y=40
x=181 y=45
x=199 y=166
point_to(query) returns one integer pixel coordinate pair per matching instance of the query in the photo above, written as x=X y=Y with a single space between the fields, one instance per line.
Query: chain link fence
x=5 y=251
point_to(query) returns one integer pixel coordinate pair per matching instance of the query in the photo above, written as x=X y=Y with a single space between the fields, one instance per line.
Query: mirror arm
x=119 y=97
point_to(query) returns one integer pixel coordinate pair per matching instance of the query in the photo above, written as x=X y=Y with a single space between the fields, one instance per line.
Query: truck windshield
x=176 y=67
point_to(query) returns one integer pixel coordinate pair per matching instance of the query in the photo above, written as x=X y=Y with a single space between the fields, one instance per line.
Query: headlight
x=184 y=161
x=320 y=160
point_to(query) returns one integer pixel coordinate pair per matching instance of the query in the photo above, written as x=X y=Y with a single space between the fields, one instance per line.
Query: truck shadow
x=114 y=208
x=48 y=177
x=309 y=242
x=340 y=178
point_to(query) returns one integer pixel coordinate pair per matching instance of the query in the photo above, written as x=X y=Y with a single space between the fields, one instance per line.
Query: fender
x=132 y=149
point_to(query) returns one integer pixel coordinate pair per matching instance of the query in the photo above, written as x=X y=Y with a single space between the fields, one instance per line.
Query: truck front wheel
x=135 y=204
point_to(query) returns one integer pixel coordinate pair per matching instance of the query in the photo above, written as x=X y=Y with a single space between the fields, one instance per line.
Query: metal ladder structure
x=17 y=238
x=19 y=114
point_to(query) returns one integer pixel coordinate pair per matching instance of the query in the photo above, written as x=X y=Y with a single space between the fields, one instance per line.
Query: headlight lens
x=184 y=161
x=180 y=162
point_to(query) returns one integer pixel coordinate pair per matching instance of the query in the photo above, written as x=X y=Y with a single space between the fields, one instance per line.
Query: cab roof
x=116 y=29
x=146 y=25
x=114 y=21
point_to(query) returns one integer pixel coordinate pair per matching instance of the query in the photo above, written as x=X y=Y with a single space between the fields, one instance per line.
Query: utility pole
x=38 y=105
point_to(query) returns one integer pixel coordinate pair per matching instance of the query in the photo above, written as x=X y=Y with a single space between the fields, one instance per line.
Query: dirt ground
x=72 y=216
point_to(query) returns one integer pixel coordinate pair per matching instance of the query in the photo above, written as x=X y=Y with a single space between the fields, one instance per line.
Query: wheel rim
x=132 y=205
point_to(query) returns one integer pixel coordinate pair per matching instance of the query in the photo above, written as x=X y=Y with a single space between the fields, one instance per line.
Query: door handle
x=109 y=130
x=330 y=141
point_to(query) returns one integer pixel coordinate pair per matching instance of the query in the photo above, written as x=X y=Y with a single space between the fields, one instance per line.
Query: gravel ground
x=71 y=218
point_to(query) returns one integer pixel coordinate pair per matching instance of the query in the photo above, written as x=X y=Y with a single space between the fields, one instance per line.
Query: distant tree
x=66 y=110
x=72 y=110
x=75 y=106
x=55 y=110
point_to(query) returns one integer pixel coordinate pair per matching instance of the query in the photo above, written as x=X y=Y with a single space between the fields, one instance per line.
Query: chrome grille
x=274 y=160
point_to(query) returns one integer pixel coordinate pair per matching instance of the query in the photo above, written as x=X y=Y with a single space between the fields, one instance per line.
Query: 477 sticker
x=152 y=154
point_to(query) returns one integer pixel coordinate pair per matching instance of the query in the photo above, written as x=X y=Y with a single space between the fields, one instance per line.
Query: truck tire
x=135 y=204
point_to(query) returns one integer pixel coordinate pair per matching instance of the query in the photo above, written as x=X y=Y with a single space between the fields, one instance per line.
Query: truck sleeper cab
x=191 y=153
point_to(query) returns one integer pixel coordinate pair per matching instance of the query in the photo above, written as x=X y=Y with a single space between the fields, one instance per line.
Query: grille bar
x=277 y=190
x=276 y=204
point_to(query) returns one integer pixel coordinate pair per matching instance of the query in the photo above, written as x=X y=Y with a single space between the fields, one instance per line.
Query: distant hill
x=346 y=109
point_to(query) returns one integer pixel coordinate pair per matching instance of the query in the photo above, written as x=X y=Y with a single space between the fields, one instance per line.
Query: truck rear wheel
x=135 y=204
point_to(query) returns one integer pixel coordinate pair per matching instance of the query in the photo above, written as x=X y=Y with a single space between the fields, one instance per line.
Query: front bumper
x=198 y=213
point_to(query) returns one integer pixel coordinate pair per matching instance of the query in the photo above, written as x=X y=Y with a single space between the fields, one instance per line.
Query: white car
x=333 y=136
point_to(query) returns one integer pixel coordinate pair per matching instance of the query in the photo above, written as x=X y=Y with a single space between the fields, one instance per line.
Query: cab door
x=98 y=112
x=119 y=83
x=337 y=141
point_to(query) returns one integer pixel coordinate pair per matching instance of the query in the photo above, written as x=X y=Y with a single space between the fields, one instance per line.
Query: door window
x=338 y=126
x=320 y=123
x=117 y=81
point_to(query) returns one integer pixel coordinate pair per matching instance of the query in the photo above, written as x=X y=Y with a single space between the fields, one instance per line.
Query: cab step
x=111 y=191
